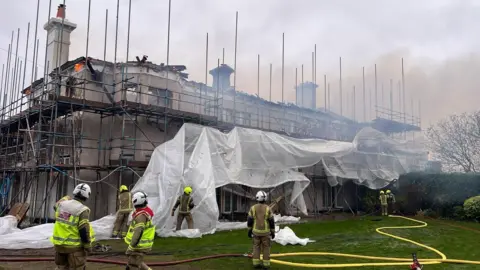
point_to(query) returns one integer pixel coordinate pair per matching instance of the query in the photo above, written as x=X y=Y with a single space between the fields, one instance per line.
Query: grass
x=348 y=236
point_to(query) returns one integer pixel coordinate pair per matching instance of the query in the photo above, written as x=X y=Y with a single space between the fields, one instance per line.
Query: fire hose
x=386 y=261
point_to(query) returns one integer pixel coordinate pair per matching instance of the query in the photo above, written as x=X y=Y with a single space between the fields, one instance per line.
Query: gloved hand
x=250 y=233
x=272 y=234
x=173 y=213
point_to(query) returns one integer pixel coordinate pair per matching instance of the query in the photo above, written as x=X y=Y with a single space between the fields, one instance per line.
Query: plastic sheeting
x=223 y=226
x=205 y=159
x=39 y=236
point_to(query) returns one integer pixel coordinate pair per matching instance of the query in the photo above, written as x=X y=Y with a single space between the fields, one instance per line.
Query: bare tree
x=456 y=141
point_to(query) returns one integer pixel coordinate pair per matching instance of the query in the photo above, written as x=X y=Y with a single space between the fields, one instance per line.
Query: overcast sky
x=438 y=40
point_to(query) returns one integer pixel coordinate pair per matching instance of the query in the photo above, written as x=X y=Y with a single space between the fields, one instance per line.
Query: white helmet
x=82 y=191
x=261 y=196
x=139 y=199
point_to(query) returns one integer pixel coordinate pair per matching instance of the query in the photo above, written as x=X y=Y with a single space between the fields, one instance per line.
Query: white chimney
x=58 y=36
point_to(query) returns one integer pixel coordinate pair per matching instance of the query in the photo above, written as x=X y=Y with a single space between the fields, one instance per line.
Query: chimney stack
x=58 y=36
x=61 y=11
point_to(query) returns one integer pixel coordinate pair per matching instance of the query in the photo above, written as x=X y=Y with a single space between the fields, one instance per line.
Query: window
x=226 y=207
x=160 y=97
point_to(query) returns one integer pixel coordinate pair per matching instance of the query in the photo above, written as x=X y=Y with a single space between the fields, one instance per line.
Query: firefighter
x=140 y=233
x=383 y=203
x=391 y=201
x=261 y=227
x=124 y=209
x=186 y=204
x=72 y=232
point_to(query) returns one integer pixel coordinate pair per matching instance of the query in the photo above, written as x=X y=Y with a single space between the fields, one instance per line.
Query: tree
x=456 y=141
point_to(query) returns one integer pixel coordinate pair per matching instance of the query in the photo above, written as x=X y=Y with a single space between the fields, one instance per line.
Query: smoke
x=350 y=30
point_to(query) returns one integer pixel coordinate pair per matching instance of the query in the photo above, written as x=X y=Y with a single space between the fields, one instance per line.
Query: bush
x=472 y=208
x=458 y=213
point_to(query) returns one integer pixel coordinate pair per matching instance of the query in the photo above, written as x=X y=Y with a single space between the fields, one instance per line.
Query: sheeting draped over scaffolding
x=205 y=158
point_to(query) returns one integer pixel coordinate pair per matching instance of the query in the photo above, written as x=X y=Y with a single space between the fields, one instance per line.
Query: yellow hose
x=390 y=261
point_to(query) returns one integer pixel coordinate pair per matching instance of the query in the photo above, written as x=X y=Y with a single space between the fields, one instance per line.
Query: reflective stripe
x=65 y=239
x=147 y=238
x=66 y=222
x=65 y=229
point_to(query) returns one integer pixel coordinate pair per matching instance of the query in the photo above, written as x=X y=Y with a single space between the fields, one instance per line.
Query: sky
x=437 y=39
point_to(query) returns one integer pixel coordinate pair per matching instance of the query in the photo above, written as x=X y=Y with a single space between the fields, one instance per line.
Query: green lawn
x=349 y=236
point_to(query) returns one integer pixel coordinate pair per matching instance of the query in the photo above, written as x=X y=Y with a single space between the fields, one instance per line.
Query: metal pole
x=364 y=96
x=223 y=57
x=270 y=84
x=325 y=90
x=115 y=52
x=303 y=103
x=14 y=86
x=206 y=74
x=218 y=88
x=341 y=99
x=404 y=106
x=26 y=56
x=235 y=70
x=36 y=59
x=296 y=86
x=283 y=68
x=35 y=40
x=14 y=81
x=258 y=91
x=45 y=75
x=315 y=68
x=270 y=95
x=376 y=93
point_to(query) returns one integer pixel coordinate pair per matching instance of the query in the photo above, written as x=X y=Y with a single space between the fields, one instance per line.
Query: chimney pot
x=61 y=11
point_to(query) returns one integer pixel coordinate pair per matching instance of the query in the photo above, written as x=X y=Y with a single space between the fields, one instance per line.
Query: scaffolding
x=99 y=121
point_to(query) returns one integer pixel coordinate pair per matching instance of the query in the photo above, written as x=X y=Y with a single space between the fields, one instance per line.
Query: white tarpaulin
x=39 y=236
x=205 y=159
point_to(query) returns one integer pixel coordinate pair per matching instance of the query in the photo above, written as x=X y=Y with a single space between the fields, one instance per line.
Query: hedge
x=436 y=194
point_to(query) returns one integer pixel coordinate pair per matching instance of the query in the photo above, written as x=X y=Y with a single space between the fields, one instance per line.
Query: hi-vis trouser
x=181 y=217
x=261 y=244
x=120 y=226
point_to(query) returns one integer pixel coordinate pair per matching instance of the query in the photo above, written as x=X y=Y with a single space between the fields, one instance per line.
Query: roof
x=391 y=126
x=222 y=67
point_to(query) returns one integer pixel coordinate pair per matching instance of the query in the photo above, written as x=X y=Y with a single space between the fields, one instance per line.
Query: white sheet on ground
x=286 y=236
x=205 y=159
x=223 y=226
x=39 y=236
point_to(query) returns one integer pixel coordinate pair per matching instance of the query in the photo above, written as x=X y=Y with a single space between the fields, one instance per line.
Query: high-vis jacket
x=64 y=198
x=383 y=199
x=260 y=220
x=185 y=202
x=141 y=232
x=125 y=202
x=71 y=217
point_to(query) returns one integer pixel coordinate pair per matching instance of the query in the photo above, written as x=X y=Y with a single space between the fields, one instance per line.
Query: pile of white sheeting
x=39 y=236
x=206 y=158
